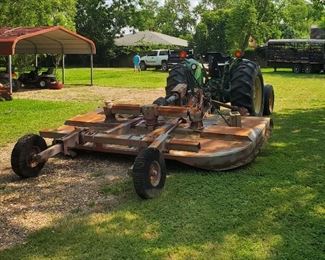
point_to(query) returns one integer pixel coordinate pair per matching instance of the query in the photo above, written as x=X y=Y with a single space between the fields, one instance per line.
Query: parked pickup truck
x=174 y=56
x=155 y=58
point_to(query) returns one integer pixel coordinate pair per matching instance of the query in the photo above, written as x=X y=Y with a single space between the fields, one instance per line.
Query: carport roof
x=146 y=38
x=43 y=40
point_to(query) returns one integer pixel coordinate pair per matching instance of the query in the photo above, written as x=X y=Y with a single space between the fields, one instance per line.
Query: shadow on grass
x=273 y=208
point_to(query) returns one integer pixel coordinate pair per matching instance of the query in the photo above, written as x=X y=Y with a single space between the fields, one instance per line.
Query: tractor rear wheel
x=268 y=100
x=149 y=173
x=246 y=84
x=176 y=76
x=180 y=74
x=22 y=156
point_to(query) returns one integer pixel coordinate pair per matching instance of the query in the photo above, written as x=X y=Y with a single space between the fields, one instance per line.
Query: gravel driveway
x=66 y=186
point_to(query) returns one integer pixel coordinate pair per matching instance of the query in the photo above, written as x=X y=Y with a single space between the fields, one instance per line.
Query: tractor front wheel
x=246 y=84
x=23 y=160
x=149 y=173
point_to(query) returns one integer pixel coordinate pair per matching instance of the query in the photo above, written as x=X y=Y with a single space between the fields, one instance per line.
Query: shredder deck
x=216 y=146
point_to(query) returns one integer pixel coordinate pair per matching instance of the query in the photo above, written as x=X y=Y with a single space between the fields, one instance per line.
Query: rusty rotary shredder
x=153 y=133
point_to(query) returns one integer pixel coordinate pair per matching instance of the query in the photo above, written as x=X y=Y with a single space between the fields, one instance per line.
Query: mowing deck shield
x=215 y=146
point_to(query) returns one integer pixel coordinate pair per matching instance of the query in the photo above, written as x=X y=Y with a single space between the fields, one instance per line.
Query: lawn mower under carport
x=181 y=127
x=35 y=79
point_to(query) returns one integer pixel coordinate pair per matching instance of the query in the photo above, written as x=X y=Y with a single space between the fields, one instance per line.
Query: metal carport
x=44 y=40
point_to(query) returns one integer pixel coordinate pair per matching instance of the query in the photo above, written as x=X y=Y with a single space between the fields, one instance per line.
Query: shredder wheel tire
x=149 y=173
x=21 y=156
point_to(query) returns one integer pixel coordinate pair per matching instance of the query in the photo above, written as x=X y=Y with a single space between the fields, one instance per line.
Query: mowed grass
x=116 y=77
x=151 y=79
x=273 y=208
x=22 y=116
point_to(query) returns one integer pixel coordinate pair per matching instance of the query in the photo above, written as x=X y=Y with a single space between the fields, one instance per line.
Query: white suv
x=155 y=58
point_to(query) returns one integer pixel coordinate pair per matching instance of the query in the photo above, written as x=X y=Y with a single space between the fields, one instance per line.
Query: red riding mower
x=36 y=79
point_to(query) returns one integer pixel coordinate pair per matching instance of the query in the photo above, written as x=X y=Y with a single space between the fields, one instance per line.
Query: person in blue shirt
x=136 y=62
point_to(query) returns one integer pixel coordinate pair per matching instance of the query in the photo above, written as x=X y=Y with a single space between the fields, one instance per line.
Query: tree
x=210 y=5
x=241 y=24
x=23 y=13
x=318 y=10
x=145 y=18
x=232 y=23
x=267 y=20
x=293 y=11
x=175 y=18
x=211 y=32
x=49 y=12
x=253 y=18
x=101 y=22
x=297 y=16
x=321 y=23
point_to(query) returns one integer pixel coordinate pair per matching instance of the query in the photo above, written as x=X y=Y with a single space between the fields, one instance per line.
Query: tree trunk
x=244 y=44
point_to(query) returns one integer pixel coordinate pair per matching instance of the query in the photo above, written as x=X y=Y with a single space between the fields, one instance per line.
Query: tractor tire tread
x=242 y=82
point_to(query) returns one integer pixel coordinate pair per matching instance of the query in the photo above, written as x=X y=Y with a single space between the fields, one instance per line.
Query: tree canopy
x=210 y=25
x=175 y=18
x=38 y=13
x=234 y=22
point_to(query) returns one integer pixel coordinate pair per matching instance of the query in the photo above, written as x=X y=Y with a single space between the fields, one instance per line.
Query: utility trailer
x=152 y=133
x=302 y=55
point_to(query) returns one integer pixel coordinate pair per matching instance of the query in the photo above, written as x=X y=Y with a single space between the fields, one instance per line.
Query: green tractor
x=237 y=81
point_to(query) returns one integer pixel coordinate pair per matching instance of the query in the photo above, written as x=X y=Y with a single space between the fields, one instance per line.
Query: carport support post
x=91 y=69
x=36 y=60
x=10 y=73
x=63 y=66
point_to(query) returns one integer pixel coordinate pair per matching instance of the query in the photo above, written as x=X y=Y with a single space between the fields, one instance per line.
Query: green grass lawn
x=273 y=208
x=116 y=77
x=21 y=116
x=127 y=78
